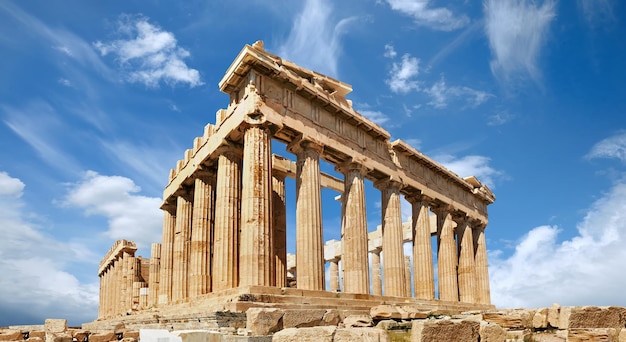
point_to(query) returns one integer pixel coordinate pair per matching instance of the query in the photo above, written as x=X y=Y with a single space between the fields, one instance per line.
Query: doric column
x=446 y=256
x=393 y=254
x=101 y=295
x=423 y=274
x=377 y=284
x=481 y=269
x=201 y=233
x=153 y=280
x=182 y=238
x=116 y=286
x=125 y=291
x=407 y=274
x=135 y=282
x=167 y=257
x=467 y=269
x=334 y=276
x=279 y=222
x=354 y=230
x=309 y=239
x=256 y=256
x=226 y=233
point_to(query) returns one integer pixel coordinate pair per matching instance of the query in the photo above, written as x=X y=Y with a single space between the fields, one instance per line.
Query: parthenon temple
x=225 y=231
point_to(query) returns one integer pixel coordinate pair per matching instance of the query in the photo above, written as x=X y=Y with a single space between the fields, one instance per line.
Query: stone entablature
x=224 y=206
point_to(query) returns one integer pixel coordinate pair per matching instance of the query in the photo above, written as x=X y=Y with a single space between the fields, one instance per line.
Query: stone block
x=130 y=334
x=397 y=312
x=622 y=335
x=103 y=337
x=553 y=315
x=357 y=321
x=361 y=335
x=80 y=336
x=545 y=336
x=540 y=319
x=514 y=319
x=313 y=334
x=444 y=330
x=262 y=321
x=303 y=318
x=596 y=317
x=191 y=335
x=593 y=335
x=37 y=334
x=491 y=332
x=518 y=335
x=55 y=325
x=11 y=335
x=331 y=317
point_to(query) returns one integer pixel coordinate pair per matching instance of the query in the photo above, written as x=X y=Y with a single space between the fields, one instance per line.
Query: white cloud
x=596 y=12
x=440 y=95
x=130 y=216
x=499 y=118
x=315 y=38
x=439 y=18
x=472 y=165
x=375 y=116
x=582 y=270
x=402 y=75
x=35 y=283
x=612 y=147
x=517 y=30
x=415 y=143
x=390 y=52
x=65 y=82
x=149 y=55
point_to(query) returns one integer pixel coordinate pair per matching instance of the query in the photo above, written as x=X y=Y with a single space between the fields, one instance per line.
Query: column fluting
x=467 y=268
x=423 y=271
x=182 y=239
x=377 y=284
x=167 y=257
x=201 y=234
x=446 y=256
x=279 y=222
x=481 y=266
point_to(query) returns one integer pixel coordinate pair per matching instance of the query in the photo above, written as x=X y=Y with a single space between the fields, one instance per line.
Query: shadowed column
x=482 y=271
x=154 y=277
x=309 y=240
x=334 y=276
x=256 y=256
x=446 y=256
x=467 y=269
x=226 y=234
x=201 y=233
x=167 y=255
x=279 y=222
x=423 y=274
x=182 y=238
x=354 y=227
x=393 y=255
x=377 y=284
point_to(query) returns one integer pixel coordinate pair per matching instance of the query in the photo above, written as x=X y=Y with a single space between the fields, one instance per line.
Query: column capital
x=185 y=192
x=301 y=144
x=418 y=198
x=230 y=149
x=389 y=183
x=205 y=173
x=442 y=208
x=460 y=217
x=350 y=165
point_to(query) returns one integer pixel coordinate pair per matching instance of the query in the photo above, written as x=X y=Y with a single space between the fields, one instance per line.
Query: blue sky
x=98 y=100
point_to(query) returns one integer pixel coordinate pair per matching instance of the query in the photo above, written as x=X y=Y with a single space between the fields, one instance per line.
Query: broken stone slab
x=301 y=318
x=312 y=334
x=592 y=317
x=361 y=335
x=397 y=312
x=103 y=337
x=491 y=332
x=357 y=321
x=11 y=335
x=264 y=321
x=550 y=336
x=511 y=319
x=553 y=315
x=518 y=335
x=540 y=319
x=593 y=334
x=443 y=330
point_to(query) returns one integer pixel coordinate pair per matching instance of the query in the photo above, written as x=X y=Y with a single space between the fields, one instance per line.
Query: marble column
x=125 y=291
x=167 y=257
x=446 y=256
x=467 y=270
x=135 y=282
x=483 y=295
x=117 y=287
x=377 y=284
x=101 y=295
x=201 y=233
x=309 y=239
x=334 y=276
x=226 y=232
x=354 y=228
x=393 y=254
x=423 y=274
x=154 y=278
x=182 y=238
x=407 y=274
x=279 y=223
x=256 y=256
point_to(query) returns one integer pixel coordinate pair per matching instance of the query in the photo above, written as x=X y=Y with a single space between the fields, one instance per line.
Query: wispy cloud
x=499 y=118
x=375 y=116
x=576 y=271
x=402 y=75
x=390 y=52
x=130 y=216
x=35 y=283
x=611 y=147
x=315 y=38
x=441 y=94
x=472 y=165
x=597 y=12
x=517 y=31
x=436 y=18
x=148 y=54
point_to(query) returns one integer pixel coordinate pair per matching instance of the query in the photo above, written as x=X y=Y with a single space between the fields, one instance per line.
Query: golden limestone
x=225 y=228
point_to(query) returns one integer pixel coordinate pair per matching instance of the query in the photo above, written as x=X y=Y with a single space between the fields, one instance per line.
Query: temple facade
x=224 y=206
